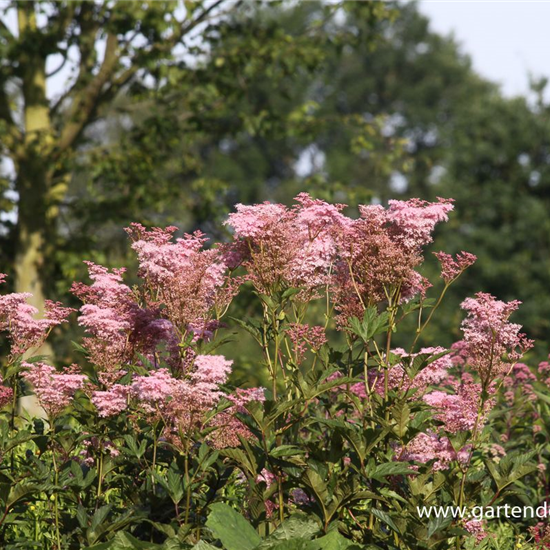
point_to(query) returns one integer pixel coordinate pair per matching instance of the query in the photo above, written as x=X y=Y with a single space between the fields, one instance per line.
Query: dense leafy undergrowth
x=148 y=444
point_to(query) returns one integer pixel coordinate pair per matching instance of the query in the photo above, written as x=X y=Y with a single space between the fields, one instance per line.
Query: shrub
x=146 y=444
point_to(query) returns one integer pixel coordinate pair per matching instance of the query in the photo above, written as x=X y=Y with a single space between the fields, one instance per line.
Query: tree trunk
x=31 y=164
x=31 y=232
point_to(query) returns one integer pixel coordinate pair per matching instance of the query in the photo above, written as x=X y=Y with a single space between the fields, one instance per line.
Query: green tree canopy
x=157 y=92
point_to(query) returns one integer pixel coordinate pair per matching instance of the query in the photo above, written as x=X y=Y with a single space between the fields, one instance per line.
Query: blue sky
x=505 y=39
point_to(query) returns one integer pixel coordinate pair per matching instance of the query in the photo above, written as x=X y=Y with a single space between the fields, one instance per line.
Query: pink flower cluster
x=491 y=343
x=459 y=411
x=6 y=394
x=288 y=247
x=451 y=268
x=243 y=396
x=17 y=317
x=54 y=390
x=520 y=377
x=107 y=315
x=476 y=528
x=312 y=245
x=112 y=401
x=380 y=251
x=303 y=337
x=412 y=222
x=189 y=283
x=182 y=403
x=428 y=447
x=119 y=328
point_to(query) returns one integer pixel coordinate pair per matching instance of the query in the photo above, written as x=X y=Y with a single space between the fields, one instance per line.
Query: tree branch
x=63 y=63
x=167 y=45
x=5 y=32
x=202 y=16
x=85 y=101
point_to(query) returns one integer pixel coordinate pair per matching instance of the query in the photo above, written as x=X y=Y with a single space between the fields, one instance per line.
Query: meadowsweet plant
x=147 y=441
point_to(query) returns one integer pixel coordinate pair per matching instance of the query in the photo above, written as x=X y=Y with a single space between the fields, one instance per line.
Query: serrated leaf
x=438 y=524
x=202 y=545
x=234 y=532
x=385 y=517
x=402 y=417
x=296 y=526
x=335 y=541
x=392 y=469
x=286 y=450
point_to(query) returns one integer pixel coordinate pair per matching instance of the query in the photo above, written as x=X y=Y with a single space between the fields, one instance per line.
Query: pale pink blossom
x=188 y=283
x=243 y=396
x=156 y=388
x=459 y=411
x=250 y=222
x=428 y=447
x=111 y=402
x=54 y=390
x=210 y=371
x=378 y=254
x=451 y=268
x=289 y=247
x=108 y=317
x=18 y=318
x=497 y=450
x=413 y=221
x=476 y=528
x=491 y=342
x=228 y=428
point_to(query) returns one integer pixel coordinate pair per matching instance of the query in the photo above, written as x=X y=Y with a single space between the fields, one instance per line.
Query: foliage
x=147 y=444
x=152 y=89
x=464 y=139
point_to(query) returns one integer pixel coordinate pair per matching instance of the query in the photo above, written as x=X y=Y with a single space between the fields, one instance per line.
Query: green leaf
x=438 y=524
x=293 y=544
x=289 y=292
x=392 y=469
x=335 y=541
x=286 y=450
x=385 y=517
x=372 y=324
x=125 y=541
x=402 y=418
x=201 y=545
x=234 y=532
x=245 y=461
x=136 y=451
x=99 y=517
x=296 y=526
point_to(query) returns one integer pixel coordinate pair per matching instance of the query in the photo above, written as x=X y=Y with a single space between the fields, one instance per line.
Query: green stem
x=99 y=476
x=187 y=483
x=475 y=434
x=281 y=499
x=55 y=502
x=423 y=326
x=155 y=443
x=14 y=405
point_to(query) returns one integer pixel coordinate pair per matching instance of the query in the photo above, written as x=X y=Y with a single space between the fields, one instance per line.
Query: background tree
x=150 y=85
x=352 y=102
x=465 y=140
x=461 y=137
